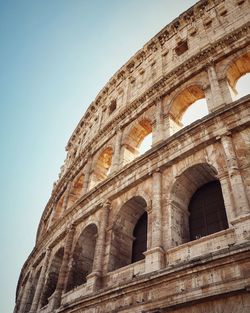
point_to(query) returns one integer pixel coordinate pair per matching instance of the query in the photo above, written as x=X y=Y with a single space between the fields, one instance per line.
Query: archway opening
x=76 y=190
x=184 y=189
x=194 y=112
x=59 y=208
x=21 y=291
x=138 y=141
x=238 y=76
x=102 y=167
x=52 y=279
x=129 y=236
x=83 y=257
x=207 y=211
x=140 y=238
x=32 y=292
x=188 y=106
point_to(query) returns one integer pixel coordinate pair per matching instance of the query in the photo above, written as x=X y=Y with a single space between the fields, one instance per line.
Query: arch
x=101 y=168
x=32 y=291
x=237 y=68
x=140 y=238
x=184 y=187
x=129 y=223
x=134 y=139
x=207 y=213
x=76 y=190
x=52 y=278
x=83 y=257
x=59 y=207
x=22 y=288
x=184 y=99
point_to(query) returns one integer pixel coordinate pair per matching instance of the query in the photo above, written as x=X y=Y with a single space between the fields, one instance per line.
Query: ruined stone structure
x=168 y=230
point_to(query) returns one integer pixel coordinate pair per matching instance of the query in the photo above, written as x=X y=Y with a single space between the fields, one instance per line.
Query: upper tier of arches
x=135 y=119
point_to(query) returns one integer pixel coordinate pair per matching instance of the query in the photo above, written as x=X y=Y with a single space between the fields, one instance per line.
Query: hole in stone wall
x=112 y=106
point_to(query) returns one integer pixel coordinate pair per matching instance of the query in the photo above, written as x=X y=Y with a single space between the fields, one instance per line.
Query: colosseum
x=167 y=230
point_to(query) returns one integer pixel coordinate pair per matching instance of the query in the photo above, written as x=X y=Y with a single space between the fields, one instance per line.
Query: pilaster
x=87 y=172
x=117 y=151
x=26 y=293
x=40 y=284
x=217 y=97
x=158 y=131
x=155 y=255
x=236 y=181
x=56 y=300
x=94 y=278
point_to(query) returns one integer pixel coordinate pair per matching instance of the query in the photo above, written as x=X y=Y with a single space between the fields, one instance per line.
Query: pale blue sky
x=55 y=56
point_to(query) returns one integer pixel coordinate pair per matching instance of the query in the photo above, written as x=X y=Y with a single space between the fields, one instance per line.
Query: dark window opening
x=207 y=211
x=112 y=107
x=181 y=47
x=140 y=241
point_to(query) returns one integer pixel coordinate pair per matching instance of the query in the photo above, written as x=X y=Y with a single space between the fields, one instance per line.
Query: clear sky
x=55 y=56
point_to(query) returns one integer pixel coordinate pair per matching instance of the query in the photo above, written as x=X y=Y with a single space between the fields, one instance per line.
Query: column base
x=94 y=281
x=154 y=259
x=54 y=301
x=242 y=228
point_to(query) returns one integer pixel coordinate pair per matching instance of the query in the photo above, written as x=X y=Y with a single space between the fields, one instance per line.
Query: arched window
x=101 y=167
x=207 y=211
x=238 y=76
x=138 y=141
x=32 y=292
x=59 y=208
x=76 y=190
x=129 y=237
x=50 y=285
x=198 y=181
x=83 y=257
x=140 y=238
x=188 y=106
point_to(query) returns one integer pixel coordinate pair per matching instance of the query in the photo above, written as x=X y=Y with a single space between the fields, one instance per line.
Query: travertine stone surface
x=84 y=260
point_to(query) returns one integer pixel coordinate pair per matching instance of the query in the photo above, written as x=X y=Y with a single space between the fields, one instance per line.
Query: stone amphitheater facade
x=121 y=232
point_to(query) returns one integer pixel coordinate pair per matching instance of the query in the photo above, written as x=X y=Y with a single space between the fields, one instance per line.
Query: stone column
x=94 y=278
x=87 y=172
x=171 y=125
x=149 y=226
x=26 y=292
x=155 y=256
x=158 y=133
x=52 y=214
x=40 y=283
x=66 y=197
x=63 y=274
x=236 y=181
x=217 y=97
x=227 y=197
x=117 y=152
x=224 y=86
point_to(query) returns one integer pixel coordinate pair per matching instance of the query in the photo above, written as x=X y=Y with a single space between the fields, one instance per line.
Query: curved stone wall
x=105 y=185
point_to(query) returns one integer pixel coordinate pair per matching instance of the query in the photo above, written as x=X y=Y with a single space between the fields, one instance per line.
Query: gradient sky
x=55 y=56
